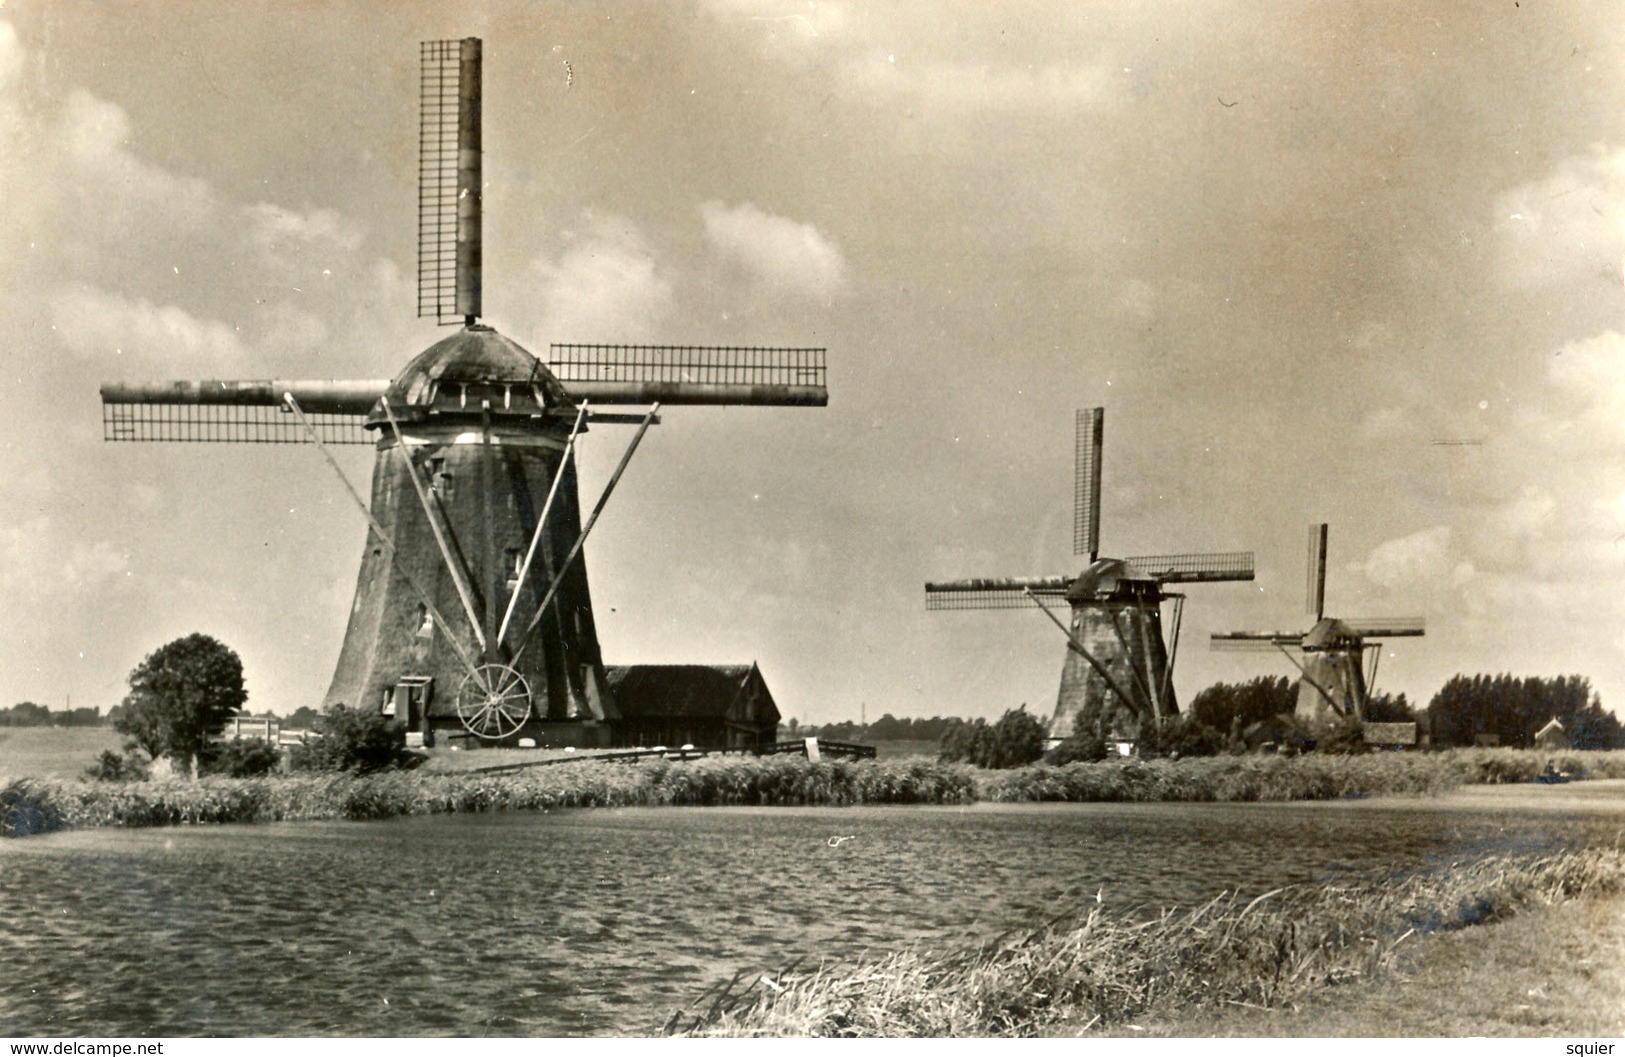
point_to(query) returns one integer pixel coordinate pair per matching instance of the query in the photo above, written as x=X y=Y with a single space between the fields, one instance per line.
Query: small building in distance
x=1552 y=736
x=707 y=706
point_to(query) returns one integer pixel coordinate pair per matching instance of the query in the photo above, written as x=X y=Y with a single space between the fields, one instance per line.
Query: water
x=603 y=922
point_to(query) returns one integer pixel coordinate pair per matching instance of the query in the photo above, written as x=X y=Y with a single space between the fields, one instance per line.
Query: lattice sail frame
x=1088 y=442
x=226 y=424
x=449 y=180
x=695 y=364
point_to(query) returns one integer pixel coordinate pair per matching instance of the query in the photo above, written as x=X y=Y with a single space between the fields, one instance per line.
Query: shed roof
x=689 y=690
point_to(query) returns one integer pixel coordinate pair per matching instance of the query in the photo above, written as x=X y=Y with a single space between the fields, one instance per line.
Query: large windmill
x=1117 y=661
x=472 y=613
x=1333 y=676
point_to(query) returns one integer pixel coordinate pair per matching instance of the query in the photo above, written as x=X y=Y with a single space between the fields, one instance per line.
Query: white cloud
x=780 y=252
x=282 y=236
x=1590 y=375
x=122 y=187
x=1420 y=558
x=785 y=26
x=1567 y=228
x=11 y=55
x=605 y=286
x=103 y=325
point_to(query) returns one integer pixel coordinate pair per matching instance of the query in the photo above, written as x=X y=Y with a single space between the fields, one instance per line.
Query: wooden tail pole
x=1100 y=669
x=564 y=567
x=1141 y=679
x=459 y=576
x=541 y=524
x=1303 y=673
x=384 y=542
x=1173 y=646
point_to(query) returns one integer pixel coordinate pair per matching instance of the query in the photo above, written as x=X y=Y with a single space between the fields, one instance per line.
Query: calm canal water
x=603 y=922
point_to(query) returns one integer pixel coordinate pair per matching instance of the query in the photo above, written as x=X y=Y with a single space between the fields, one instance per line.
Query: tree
x=180 y=696
x=354 y=740
x=1513 y=709
x=304 y=718
x=26 y=714
x=1258 y=700
x=1015 y=740
x=1389 y=708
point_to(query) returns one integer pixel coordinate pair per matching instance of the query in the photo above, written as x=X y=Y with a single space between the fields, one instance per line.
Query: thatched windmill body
x=1118 y=662
x=472 y=612
x=1334 y=679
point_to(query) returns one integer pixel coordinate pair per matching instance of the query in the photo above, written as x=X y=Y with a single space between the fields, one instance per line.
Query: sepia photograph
x=1026 y=519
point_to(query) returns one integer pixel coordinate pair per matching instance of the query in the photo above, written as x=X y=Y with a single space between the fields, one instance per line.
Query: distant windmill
x=1115 y=648
x=471 y=611
x=1333 y=678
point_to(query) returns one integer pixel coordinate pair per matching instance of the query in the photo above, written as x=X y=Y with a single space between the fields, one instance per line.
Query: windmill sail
x=1196 y=568
x=1088 y=439
x=1010 y=592
x=449 y=263
x=692 y=374
x=1315 y=586
x=238 y=412
x=1260 y=641
x=1388 y=627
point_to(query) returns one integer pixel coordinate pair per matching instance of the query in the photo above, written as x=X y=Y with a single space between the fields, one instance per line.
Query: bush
x=111 y=767
x=26 y=807
x=353 y=740
x=1081 y=748
x=244 y=758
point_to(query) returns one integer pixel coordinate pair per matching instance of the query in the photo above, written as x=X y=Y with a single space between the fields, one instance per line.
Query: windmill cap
x=478 y=363
x=1108 y=577
x=1329 y=634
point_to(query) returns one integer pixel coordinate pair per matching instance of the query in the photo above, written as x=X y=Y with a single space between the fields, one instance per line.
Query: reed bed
x=1099 y=969
x=41 y=805
x=1228 y=778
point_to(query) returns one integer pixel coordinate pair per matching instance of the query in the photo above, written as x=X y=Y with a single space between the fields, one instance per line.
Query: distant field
x=57 y=752
x=65 y=752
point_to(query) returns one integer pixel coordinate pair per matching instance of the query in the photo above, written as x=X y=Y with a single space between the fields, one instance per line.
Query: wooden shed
x=1552 y=736
x=707 y=706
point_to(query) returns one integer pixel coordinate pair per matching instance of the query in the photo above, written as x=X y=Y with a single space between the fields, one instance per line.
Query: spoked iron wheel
x=494 y=701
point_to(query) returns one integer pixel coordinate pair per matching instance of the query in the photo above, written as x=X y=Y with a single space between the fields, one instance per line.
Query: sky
x=1352 y=262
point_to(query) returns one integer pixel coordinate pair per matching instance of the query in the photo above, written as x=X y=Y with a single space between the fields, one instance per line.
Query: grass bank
x=30 y=805
x=1097 y=971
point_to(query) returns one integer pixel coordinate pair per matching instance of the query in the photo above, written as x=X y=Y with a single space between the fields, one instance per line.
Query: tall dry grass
x=1099 y=969
x=39 y=805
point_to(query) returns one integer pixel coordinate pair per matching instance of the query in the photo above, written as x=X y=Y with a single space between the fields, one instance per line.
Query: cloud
x=780 y=252
x=102 y=325
x=11 y=55
x=1568 y=228
x=605 y=286
x=282 y=236
x=1589 y=375
x=41 y=563
x=94 y=134
x=785 y=26
x=1421 y=557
